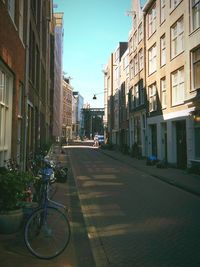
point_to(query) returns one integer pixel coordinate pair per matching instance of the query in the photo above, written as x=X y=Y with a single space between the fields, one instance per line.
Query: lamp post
x=95 y=95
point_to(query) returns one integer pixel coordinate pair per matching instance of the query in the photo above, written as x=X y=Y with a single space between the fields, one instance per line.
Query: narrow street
x=132 y=218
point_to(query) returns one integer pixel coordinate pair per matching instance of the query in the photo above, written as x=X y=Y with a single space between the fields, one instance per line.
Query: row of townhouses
x=35 y=100
x=152 y=83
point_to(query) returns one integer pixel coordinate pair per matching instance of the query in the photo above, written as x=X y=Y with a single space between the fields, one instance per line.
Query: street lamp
x=95 y=95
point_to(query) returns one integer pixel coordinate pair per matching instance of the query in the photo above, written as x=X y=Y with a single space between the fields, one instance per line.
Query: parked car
x=100 y=139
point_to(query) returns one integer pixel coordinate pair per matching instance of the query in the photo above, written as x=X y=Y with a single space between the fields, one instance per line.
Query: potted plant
x=12 y=191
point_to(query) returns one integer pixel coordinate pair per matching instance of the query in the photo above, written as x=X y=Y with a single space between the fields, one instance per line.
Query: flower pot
x=10 y=221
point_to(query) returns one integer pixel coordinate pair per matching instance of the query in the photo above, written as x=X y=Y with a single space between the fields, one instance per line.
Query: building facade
x=24 y=77
x=117 y=56
x=67 y=110
x=137 y=93
x=77 y=117
x=12 y=66
x=58 y=77
x=172 y=45
x=164 y=92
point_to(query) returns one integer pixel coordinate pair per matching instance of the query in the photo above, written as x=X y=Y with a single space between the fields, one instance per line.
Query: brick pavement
x=13 y=251
x=176 y=177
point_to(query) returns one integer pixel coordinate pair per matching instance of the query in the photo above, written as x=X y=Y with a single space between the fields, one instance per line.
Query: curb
x=160 y=177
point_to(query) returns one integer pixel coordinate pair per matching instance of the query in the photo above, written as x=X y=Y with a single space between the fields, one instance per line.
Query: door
x=181 y=146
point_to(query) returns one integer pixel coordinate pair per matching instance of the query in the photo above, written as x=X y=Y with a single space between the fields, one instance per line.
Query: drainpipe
x=111 y=102
x=26 y=86
x=145 y=82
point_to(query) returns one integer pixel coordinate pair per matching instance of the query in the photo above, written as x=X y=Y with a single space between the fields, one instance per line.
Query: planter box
x=11 y=221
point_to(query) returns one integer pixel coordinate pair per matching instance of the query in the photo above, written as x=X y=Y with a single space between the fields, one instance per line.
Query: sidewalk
x=13 y=251
x=176 y=177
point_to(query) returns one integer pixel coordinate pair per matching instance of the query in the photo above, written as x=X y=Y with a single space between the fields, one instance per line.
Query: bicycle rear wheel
x=47 y=233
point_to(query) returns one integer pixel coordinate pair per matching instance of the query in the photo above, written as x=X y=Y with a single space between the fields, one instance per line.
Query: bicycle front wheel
x=47 y=233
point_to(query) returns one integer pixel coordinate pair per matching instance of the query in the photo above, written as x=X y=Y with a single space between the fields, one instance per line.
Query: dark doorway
x=181 y=146
x=154 y=139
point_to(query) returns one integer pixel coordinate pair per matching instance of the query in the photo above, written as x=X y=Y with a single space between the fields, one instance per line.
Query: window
x=196 y=68
x=140 y=33
x=178 y=87
x=177 y=41
x=195 y=14
x=11 y=9
x=162 y=11
x=135 y=40
x=152 y=59
x=136 y=64
x=140 y=56
x=163 y=92
x=21 y=18
x=152 y=21
x=6 y=81
x=152 y=98
x=136 y=95
x=162 y=50
x=19 y=142
x=131 y=69
x=174 y=3
x=131 y=45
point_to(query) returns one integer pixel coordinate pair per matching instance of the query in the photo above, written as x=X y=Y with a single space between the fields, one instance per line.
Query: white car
x=100 y=139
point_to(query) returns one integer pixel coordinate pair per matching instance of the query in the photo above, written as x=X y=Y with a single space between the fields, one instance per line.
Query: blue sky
x=92 y=30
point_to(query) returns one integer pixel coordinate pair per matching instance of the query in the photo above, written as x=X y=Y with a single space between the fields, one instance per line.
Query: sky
x=92 y=31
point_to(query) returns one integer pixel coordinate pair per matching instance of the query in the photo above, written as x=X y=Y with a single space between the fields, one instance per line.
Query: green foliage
x=12 y=188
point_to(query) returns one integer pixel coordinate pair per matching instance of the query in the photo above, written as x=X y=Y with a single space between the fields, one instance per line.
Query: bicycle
x=47 y=231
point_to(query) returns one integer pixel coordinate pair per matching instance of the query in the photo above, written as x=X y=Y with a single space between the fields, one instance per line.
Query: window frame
x=175 y=38
x=195 y=62
x=141 y=59
x=193 y=5
x=180 y=96
x=153 y=105
x=11 y=9
x=174 y=5
x=162 y=11
x=163 y=50
x=5 y=114
x=163 y=92
x=152 y=60
x=152 y=20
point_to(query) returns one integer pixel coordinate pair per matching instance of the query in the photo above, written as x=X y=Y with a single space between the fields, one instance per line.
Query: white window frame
x=152 y=59
x=135 y=40
x=136 y=95
x=163 y=50
x=163 y=91
x=140 y=32
x=152 y=20
x=135 y=60
x=6 y=88
x=152 y=97
x=131 y=72
x=11 y=9
x=178 y=87
x=195 y=14
x=162 y=11
x=131 y=45
x=141 y=59
x=21 y=19
x=174 y=3
x=177 y=38
x=195 y=60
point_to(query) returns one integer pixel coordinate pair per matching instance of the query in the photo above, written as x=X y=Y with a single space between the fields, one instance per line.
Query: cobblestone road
x=133 y=219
